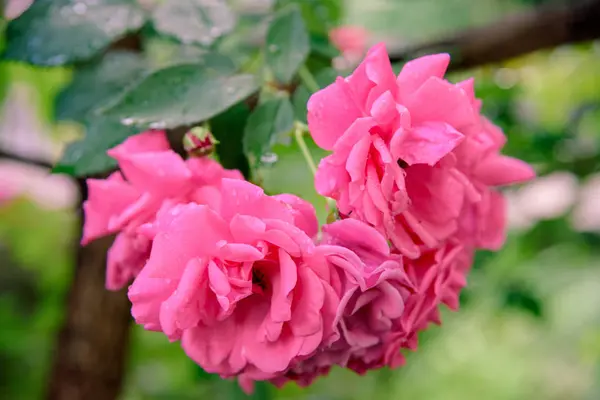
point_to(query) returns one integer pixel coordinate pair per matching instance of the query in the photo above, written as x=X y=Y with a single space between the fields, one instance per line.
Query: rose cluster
x=248 y=282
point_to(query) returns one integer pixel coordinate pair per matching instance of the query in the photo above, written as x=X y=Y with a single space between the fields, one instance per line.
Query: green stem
x=299 y=130
x=299 y=135
x=308 y=79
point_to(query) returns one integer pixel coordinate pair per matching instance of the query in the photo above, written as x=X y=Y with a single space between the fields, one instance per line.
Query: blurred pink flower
x=151 y=175
x=350 y=40
x=47 y=191
x=6 y=193
x=411 y=154
x=23 y=134
x=14 y=8
x=231 y=281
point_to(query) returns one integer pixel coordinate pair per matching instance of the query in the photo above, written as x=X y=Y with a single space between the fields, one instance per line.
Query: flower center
x=259 y=281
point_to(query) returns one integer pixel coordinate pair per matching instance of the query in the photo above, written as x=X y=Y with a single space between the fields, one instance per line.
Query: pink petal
x=352 y=234
x=107 y=198
x=195 y=231
x=239 y=252
x=148 y=141
x=180 y=311
x=325 y=126
x=164 y=173
x=416 y=72
x=373 y=77
x=286 y=282
x=210 y=346
x=241 y=197
x=427 y=143
x=125 y=259
x=304 y=213
x=500 y=170
x=309 y=298
x=440 y=101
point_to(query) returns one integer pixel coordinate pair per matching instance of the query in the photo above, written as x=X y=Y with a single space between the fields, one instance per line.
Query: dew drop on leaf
x=268 y=159
x=128 y=121
x=158 y=125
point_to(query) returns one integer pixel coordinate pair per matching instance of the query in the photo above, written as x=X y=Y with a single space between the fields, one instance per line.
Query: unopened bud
x=199 y=142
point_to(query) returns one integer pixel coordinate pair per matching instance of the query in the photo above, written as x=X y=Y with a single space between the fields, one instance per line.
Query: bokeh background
x=529 y=324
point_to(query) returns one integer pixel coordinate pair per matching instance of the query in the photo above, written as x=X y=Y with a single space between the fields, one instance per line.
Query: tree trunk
x=91 y=351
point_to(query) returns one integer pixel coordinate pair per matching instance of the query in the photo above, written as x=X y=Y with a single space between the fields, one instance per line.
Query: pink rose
x=402 y=157
x=439 y=276
x=151 y=175
x=14 y=8
x=232 y=283
x=373 y=288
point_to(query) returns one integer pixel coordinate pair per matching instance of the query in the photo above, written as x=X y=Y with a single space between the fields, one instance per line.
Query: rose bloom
x=370 y=288
x=411 y=155
x=231 y=282
x=151 y=174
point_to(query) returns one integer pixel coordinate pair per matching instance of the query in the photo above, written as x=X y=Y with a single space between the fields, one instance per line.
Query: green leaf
x=163 y=53
x=181 y=95
x=194 y=21
x=302 y=94
x=268 y=121
x=57 y=32
x=88 y=156
x=231 y=390
x=319 y=15
x=523 y=298
x=287 y=44
x=95 y=85
x=322 y=47
x=228 y=129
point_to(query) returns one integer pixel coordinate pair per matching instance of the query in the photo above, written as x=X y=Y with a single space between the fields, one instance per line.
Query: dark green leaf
x=194 y=21
x=203 y=376
x=319 y=15
x=164 y=53
x=181 y=95
x=302 y=94
x=231 y=390
x=96 y=84
x=322 y=47
x=88 y=156
x=287 y=44
x=268 y=121
x=523 y=298
x=228 y=129
x=57 y=32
